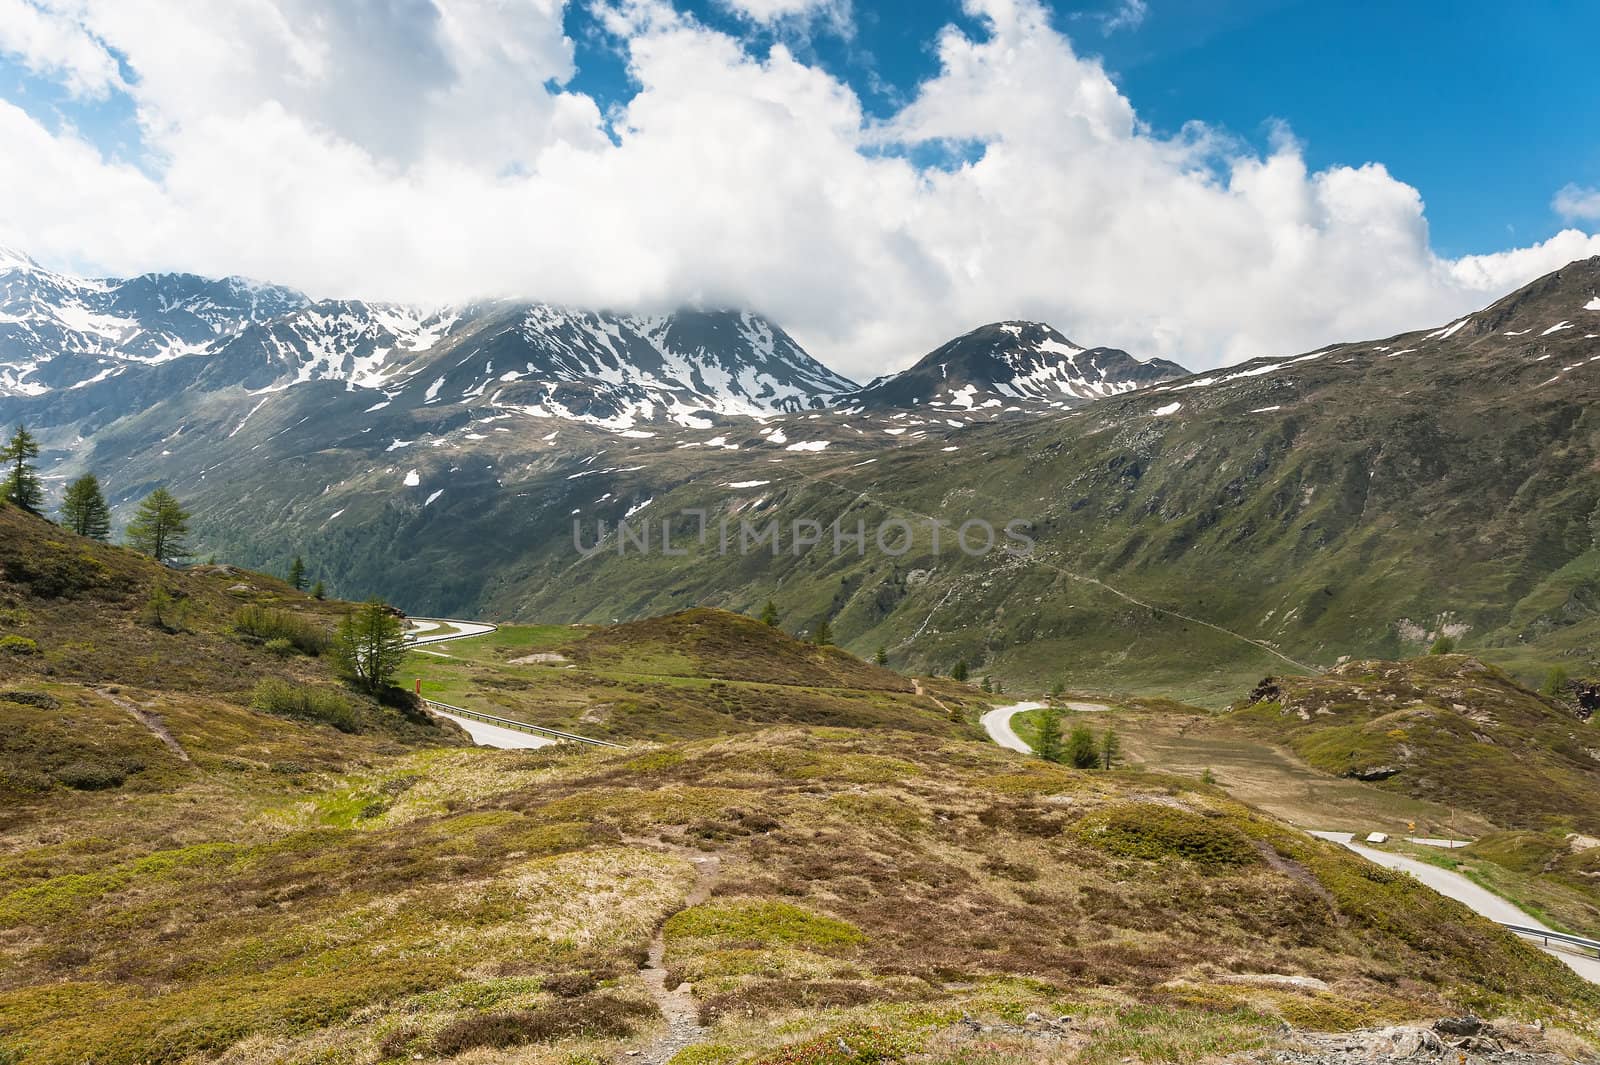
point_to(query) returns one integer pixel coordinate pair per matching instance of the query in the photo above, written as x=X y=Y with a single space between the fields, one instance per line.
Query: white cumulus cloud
x=432 y=151
x=1574 y=202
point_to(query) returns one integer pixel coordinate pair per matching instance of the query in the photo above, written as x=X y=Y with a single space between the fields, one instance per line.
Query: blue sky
x=444 y=150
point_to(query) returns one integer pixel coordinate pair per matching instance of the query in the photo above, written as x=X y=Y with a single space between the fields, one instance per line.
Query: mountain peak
x=997 y=365
x=12 y=259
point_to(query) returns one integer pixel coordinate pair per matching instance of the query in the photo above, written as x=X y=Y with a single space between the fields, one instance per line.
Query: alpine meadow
x=798 y=532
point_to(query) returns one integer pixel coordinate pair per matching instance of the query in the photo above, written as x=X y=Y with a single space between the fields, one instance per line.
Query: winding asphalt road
x=1480 y=900
x=483 y=734
x=997 y=723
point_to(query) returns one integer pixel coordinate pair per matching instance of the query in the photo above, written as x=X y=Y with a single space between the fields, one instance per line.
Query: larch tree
x=161 y=528
x=84 y=509
x=21 y=486
x=371 y=645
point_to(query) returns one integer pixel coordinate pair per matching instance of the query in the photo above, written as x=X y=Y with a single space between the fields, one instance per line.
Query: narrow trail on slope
x=157 y=727
x=926 y=694
x=676 y=1004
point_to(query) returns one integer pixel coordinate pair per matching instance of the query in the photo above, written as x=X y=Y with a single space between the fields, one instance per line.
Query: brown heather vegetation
x=260 y=888
x=440 y=900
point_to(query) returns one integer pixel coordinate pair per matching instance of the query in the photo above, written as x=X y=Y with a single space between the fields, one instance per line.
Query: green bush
x=303 y=635
x=18 y=645
x=1151 y=832
x=91 y=776
x=40 y=700
x=321 y=705
x=280 y=647
x=601 y=1016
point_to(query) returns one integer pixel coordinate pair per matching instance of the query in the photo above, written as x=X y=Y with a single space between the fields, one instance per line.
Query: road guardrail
x=523 y=726
x=1549 y=938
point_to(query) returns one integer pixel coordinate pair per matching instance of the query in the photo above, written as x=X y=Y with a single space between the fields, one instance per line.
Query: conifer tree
x=297 y=574
x=769 y=614
x=1110 y=747
x=370 y=645
x=1082 y=751
x=1048 y=745
x=824 y=634
x=84 y=510
x=161 y=528
x=960 y=671
x=21 y=486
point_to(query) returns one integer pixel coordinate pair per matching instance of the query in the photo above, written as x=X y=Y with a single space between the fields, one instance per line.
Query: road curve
x=1453 y=885
x=417 y=630
x=997 y=723
x=487 y=735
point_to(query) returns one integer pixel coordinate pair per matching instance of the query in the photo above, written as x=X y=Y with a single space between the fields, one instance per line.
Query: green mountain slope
x=689 y=675
x=1356 y=500
x=1445 y=728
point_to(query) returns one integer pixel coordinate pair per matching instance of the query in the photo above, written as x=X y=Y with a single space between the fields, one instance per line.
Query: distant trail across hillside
x=1081 y=578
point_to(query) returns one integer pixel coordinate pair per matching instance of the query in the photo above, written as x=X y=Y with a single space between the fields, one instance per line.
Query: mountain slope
x=1445 y=728
x=72 y=349
x=59 y=332
x=998 y=365
x=1356 y=500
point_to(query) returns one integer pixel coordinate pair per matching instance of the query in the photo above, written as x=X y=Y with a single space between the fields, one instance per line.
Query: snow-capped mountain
x=60 y=332
x=615 y=370
x=997 y=366
x=108 y=347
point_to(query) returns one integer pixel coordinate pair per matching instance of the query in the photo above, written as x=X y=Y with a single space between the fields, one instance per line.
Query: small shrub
x=320 y=705
x=595 y=1017
x=301 y=633
x=1151 y=832
x=18 y=645
x=1444 y=645
x=280 y=647
x=41 y=700
x=167 y=610
x=288 y=769
x=90 y=776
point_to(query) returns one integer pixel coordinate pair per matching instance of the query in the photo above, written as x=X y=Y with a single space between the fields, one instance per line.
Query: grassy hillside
x=687 y=675
x=443 y=903
x=1445 y=728
x=119 y=677
x=185 y=877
